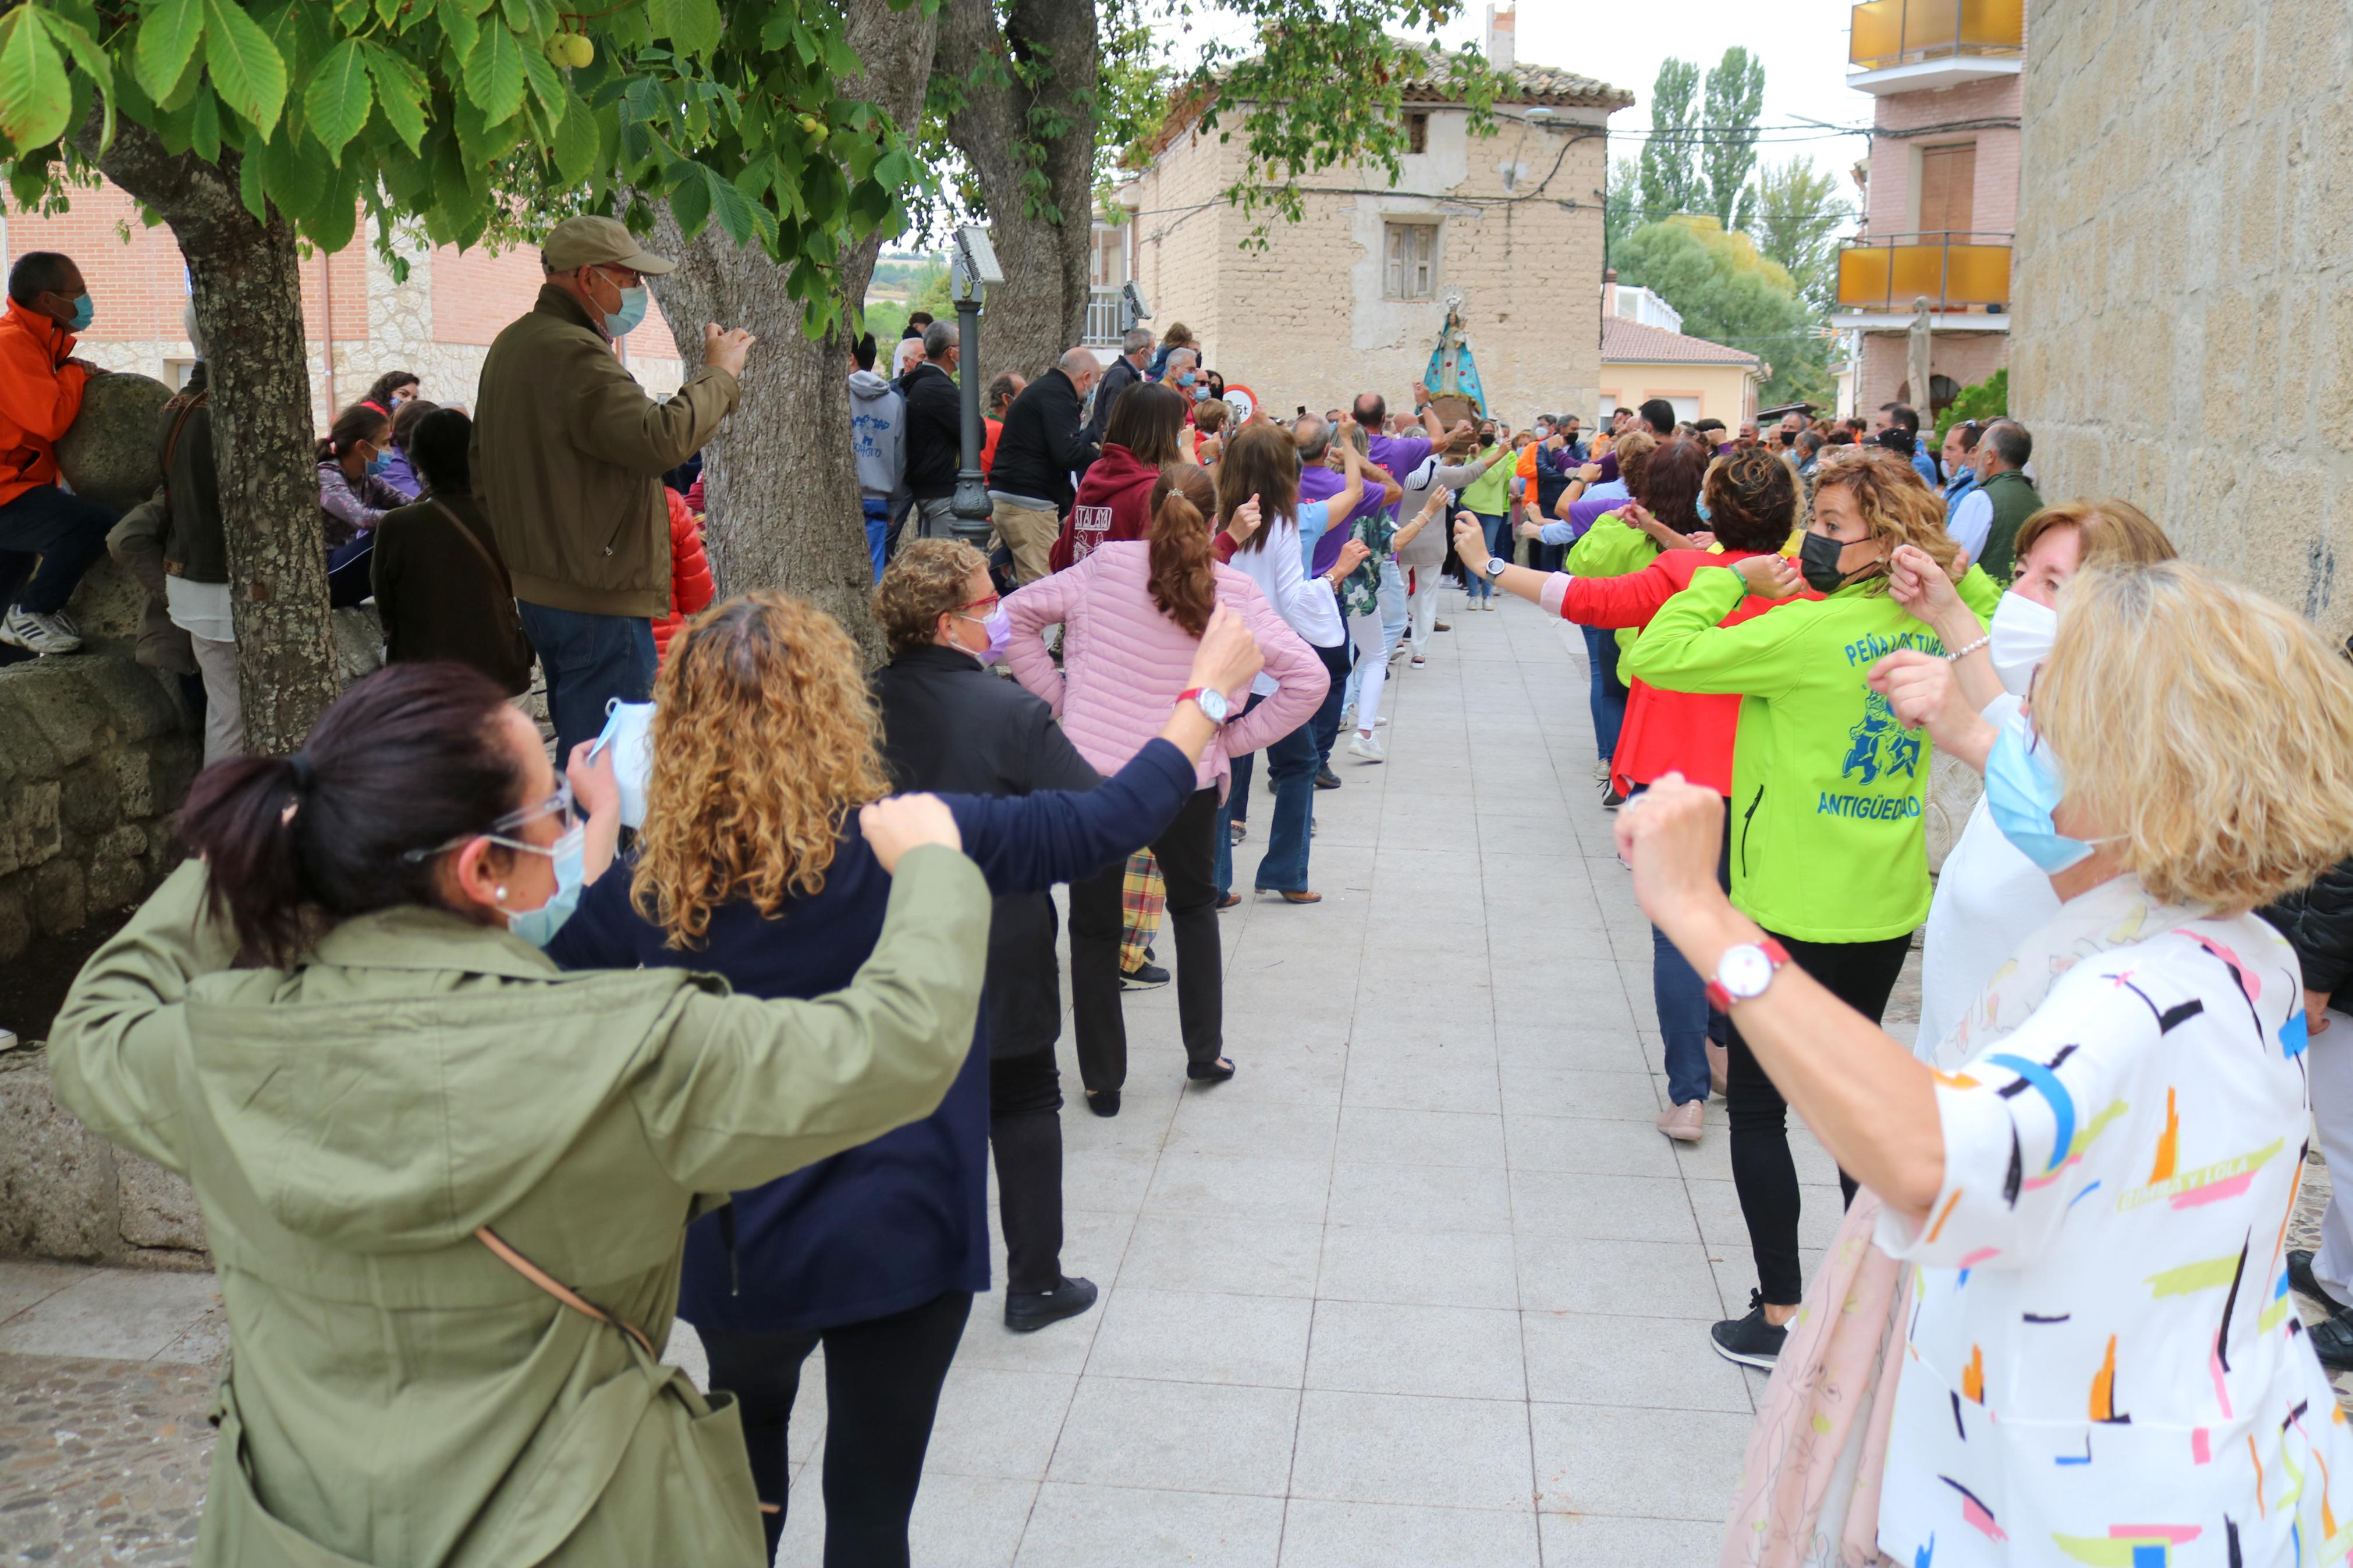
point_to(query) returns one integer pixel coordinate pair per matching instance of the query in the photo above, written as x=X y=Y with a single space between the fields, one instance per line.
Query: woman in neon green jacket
x=1828 y=851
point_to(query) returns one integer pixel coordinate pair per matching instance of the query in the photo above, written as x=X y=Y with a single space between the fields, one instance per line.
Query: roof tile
x=1625 y=341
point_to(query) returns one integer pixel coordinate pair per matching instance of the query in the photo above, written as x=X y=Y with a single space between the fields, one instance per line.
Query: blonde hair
x=764 y=740
x=2208 y=727
x=923 y=582
x=1895 y=503
x=2111 y=534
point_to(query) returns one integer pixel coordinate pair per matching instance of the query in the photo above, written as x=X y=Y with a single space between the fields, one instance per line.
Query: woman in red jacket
x=1752 y=504
x=1114 y=499
x=691 y=588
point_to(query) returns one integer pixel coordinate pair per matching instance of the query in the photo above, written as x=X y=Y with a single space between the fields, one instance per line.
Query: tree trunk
x=780 y=487
x=249 y=304
x=1013 y=135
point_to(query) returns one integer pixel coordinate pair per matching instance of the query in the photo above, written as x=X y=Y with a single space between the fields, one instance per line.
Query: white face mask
x=630 y=731
x=2022 y=631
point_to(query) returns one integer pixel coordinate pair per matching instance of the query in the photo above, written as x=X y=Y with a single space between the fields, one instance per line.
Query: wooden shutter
x=1425 y=238
x=1947 y=190
x=1394 y=286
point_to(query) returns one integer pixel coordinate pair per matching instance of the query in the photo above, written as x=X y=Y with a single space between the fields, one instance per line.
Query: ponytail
x=1184 y=570
x=353 y=425
x=409 y=757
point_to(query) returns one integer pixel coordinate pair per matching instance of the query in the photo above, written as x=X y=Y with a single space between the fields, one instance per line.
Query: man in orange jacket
x=41 y=394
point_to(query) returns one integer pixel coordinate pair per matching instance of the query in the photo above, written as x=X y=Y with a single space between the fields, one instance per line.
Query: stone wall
x=66 y=1193
x=2184 y=334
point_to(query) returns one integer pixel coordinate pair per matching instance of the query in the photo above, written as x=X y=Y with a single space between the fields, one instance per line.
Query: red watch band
x=1188 y=694
x=1722 y=1000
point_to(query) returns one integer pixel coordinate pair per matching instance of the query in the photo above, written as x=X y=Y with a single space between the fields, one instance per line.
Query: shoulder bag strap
x=562 y=1292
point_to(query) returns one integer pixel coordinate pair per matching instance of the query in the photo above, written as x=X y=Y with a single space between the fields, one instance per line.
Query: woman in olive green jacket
x=415 y=1140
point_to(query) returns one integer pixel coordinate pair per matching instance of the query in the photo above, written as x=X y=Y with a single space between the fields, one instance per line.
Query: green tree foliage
x=1988 y=399
x=1621 y=203
x=479 y=118
x=1735 y=96
x=1729 y=293
x=1670 y=176
x=1800 y=213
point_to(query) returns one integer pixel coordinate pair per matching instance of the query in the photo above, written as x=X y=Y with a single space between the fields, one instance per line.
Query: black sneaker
x=1143 y=977
x=1326 y=779
x=2299 y=1275
x=1032 y=1309
x=2332 y=1342
x=1612 y=800
x=1751 y=1341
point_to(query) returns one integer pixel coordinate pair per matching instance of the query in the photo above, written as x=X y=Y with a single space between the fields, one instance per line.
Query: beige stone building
x=2185 y=286
x=1352 y=298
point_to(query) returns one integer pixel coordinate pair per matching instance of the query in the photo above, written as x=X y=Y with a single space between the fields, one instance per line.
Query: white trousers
x=1372 y=669
x=2331 y=1057
x=223 y=723
x=1421 y=603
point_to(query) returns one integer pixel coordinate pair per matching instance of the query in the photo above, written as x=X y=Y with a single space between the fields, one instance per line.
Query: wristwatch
x=1743 y=972
x=1495 y=567
x=1208 y=700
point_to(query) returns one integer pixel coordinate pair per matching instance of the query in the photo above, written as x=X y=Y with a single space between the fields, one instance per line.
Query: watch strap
x=1775 y=954
x=1193 y=694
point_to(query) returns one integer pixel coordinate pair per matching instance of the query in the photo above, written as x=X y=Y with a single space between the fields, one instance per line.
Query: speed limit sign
x=1242 y=401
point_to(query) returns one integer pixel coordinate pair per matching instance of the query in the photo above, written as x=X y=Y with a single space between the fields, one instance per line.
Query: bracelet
x=1959 y=654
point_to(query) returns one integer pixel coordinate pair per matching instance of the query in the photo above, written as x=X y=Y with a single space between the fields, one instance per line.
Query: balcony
x=1958 y=274
x=1913 y=46
x=1104 y=329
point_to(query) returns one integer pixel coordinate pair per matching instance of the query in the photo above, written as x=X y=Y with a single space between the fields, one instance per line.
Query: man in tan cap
x=568 y=455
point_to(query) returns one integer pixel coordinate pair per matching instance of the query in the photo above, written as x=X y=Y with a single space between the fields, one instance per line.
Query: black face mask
x=1817 y=561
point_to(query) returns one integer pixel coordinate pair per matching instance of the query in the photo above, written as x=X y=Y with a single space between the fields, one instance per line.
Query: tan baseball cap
x=593 y=242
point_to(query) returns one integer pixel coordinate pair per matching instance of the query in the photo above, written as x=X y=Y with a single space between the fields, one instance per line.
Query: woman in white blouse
x=2100 y=1363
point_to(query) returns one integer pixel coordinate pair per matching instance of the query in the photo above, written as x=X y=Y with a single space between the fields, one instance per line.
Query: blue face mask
x=1201 y=395
x=84 y=314
x=539 y=926
x=1704 y=515
x=621 y=323
x=1186 y=379
x=2021 y=787
x=379 y=463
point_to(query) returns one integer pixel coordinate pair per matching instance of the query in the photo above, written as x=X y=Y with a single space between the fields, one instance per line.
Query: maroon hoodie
x=1114 y=503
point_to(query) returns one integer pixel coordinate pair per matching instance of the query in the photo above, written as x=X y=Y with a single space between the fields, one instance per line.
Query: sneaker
x=1367 y=748
x=1381 y=724
x=1143 y=977
x=1030 y=1310
x=2299 y=1275
x=41 y=634
x=1753 y=1342
x=1439 y=627
x=1612 y=800
x=1600 y=770
x=1236 y=830
x=1684 y=1122
x=1326 y=779
x=1419 y=662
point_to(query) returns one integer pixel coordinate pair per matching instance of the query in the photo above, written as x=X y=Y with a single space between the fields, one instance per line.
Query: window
x=1412 y=269
x=1417 y=132
x=1948 y=177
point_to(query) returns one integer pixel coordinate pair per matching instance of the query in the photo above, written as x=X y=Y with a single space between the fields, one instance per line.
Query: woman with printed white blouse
x=2099 y=1364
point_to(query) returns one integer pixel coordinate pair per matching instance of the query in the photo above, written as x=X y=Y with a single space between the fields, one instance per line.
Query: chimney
x=1502 y=36
x=1610 y=292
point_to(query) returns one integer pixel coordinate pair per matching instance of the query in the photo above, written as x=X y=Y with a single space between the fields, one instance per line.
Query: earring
x=500 y=892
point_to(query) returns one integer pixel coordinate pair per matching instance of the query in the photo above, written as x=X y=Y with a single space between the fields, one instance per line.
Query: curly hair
x=1752 y=500
x=764 y=741
x=1635 y=448
x=923 y=582
x=1895 y=502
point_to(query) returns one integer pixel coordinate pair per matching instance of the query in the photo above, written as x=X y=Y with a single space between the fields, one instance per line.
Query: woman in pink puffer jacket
x=1131 y=615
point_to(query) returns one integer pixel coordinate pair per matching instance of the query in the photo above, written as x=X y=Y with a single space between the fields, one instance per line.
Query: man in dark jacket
x=1043 y=442
x=948 y=724
x=935 y=438
x=1123 y=372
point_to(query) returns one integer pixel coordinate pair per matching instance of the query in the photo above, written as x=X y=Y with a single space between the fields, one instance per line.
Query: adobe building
x=1352 y=297
x=1940 y=194
x=438 y=323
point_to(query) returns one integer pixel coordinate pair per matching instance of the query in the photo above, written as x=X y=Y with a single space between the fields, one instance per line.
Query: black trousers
x=1860 y=974
x=1187 y=850
x=1024 y=1130
x=882 y=1383
x=1337 y=663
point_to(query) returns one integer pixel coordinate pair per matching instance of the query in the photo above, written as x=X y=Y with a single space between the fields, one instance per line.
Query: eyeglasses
x=989 y=603
x=558 y=805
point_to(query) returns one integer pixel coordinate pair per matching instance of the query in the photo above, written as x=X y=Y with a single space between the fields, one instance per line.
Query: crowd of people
x=486 y=1070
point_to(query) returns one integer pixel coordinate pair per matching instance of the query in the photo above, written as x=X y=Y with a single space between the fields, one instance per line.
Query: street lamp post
x=973 y=268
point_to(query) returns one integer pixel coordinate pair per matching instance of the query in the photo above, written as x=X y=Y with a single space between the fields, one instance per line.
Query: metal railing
x=1902 y=32
x=1103 y=317
x=1951 y=271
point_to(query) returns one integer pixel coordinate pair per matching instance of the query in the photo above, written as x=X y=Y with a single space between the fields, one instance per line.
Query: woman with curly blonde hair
x=1827 y=848
x=751 y=866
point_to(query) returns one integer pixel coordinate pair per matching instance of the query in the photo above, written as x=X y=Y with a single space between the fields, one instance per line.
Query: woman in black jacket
x=949 y=725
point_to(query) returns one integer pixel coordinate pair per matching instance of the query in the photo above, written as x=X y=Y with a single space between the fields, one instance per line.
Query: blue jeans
x=588 y=660
x=1291 y=763
x=67 y=532
x=878 y=531
x=1499 y=540
x=1686 y=1023
x=1608 y=695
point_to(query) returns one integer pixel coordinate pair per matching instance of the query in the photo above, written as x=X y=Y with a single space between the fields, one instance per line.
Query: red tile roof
x=1625 y=341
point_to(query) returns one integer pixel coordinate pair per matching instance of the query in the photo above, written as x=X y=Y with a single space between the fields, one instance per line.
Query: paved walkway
x=1422 y=1285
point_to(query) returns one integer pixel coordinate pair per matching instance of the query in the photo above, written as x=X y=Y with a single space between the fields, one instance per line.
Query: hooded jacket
x=877 y=435
x=1827 y=787
x=399 y=1395
x=1113 y=503
x=39 y=397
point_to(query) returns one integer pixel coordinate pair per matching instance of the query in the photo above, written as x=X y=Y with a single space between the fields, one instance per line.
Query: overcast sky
x=1802 y=42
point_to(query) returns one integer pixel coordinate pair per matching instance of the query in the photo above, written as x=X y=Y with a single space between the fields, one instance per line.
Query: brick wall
x=1968 y=357
x=2185 y=298
x=1994 y=198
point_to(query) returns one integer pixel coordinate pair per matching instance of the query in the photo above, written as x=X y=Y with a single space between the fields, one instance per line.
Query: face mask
x=539 y=926
x=2022 y=632
x=1186 y=379
x=633 y=309
x=999 y=627
x=629 y=731
x=1200 y=394
x=379 y=463
x=1704 y=515
x=2021 y=786
x=1817 y=559
x=84 y=313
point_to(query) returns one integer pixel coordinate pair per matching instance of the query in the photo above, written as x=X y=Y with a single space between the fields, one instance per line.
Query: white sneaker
x=1600 y=770
x=1367 y=748
x=1382 y=722
x=41 y=634
x=1419 y=662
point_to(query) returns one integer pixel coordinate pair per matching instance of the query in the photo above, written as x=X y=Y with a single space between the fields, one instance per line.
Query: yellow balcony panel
x=1910 y=45
x=1961 y=273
